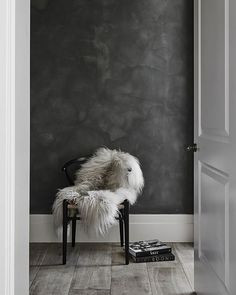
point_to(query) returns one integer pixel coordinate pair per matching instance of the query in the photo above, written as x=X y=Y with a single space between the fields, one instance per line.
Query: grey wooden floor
x=98 y=269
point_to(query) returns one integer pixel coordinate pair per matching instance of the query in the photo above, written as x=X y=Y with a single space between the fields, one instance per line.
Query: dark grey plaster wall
x=116 y=73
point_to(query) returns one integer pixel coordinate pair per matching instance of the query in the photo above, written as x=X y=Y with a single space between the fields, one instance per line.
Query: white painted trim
x=7 y=155
x=14 y=146
x=169 y=228
x=197 y=125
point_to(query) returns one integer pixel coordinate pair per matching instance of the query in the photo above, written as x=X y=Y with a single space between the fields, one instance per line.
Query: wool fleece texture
x=101 y=184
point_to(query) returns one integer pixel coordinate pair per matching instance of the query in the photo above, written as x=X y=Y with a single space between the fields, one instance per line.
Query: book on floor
x=148 y=248
x=160 y=257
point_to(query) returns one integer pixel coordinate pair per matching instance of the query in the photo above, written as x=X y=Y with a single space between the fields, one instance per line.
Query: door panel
x=214 y=65
x=214 y=173
x=214 y=221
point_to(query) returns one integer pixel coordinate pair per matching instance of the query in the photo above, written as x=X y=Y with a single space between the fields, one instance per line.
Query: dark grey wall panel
x=116 y=74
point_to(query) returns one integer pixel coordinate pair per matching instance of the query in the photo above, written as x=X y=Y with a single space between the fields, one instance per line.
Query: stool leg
x=73 y=231
x=64 y=237
x=126 y=221
x=121 y=224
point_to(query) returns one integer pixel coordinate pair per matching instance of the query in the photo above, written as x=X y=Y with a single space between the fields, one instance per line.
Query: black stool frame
x=123 y=217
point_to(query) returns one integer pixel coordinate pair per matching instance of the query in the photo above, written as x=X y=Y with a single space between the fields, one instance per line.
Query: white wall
x=14 y=146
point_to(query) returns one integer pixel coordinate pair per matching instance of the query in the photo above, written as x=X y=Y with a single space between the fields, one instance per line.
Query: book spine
x=154 y=258
x=153 y=253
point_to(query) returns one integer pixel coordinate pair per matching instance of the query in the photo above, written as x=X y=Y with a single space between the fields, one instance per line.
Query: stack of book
x=150 y=250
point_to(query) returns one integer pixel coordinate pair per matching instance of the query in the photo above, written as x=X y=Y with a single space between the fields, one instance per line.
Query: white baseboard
x=168 y=228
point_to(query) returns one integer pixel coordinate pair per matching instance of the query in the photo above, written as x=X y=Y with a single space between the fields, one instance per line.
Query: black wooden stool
x=71 y=213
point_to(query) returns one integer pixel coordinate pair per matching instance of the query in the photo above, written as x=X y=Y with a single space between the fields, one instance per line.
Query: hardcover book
x=160 y=257
x=148 y=248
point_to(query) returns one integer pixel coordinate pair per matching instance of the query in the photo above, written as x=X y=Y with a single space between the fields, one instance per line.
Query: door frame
x=14 y=145
x=15 y=142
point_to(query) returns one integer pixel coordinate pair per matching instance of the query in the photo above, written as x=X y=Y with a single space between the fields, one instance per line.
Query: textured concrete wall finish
x=116 y=74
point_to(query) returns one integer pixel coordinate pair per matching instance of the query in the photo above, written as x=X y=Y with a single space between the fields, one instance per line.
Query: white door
x=215 y=135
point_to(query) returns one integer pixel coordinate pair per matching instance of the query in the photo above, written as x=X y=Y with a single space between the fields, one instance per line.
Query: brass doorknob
x=192 y=148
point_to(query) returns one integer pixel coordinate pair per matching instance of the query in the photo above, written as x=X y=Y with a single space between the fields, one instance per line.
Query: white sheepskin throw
x=102 y=183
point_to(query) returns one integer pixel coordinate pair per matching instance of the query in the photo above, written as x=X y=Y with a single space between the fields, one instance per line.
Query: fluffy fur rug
x=102 y=183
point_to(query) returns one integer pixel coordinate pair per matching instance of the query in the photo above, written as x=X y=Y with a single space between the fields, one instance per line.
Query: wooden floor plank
x=92 y=277
x=167 y=278
x=37 y=255
x=130 y=279
x=169 y=281
x=118 y=255
x=94 y=254
x=33 y=270
x=186 y=256
x=52 y=280
x=54 y=255
x=89 y=292
x=93 y=269
x=53 y=277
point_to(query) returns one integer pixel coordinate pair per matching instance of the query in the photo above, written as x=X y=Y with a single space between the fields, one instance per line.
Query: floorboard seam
x=149 y=278
x=39 y=266
x=181 y=263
